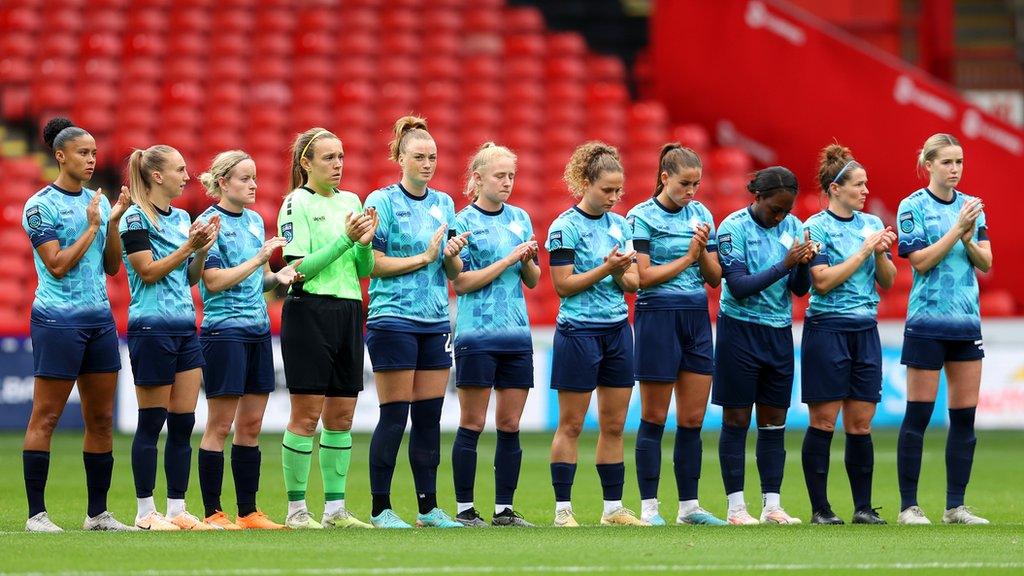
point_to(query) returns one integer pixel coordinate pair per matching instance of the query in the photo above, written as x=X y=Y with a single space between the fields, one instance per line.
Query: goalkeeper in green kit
x=329 y=239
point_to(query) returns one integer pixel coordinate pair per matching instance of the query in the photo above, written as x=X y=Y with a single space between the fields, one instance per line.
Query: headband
x=840 y=175
x=315 y=136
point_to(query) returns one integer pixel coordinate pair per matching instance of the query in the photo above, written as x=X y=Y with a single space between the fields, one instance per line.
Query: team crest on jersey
x=907 y=222
x=555 y=239
x=134 y=221
x=286 y=231
x=35 y=220
x=725 y=243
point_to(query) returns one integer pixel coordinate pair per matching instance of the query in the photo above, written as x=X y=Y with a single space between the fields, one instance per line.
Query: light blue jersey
x=944 y=300
x=493 y=318
x=79 y=299
x=665 y=235
x=165 y=307
x=240 y=312
x=853 y=304
x=591 y=239
x=417 y=301
x=746 y=246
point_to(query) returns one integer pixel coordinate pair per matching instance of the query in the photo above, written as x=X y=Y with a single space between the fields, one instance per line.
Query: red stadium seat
x=524 y=19
x=190 y=44
x=189 y=22
x=144 y=44
x=442 y=44
x=730 y=161
x=229 y=44
x=482 y=22
x=482 y=68
x=525 y=46
x=567 y=44
x=56 y=45
x=147 y=20
x=605 y=68
x=997 y=303
x=693 y=136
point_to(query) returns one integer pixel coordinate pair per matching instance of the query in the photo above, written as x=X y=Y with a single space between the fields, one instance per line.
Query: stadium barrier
x=1001 y=404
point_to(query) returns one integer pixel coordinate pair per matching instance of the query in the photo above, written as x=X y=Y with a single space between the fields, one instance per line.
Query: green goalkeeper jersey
x=314 y=226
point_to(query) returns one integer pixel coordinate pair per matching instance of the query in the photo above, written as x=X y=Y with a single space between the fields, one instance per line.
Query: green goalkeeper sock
x=296 y=454
x=335 y=457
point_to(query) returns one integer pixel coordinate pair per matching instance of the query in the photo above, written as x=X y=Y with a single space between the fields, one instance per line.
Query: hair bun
x=54 y=127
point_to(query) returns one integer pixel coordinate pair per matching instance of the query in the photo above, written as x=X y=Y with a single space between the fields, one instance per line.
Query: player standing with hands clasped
x=841 y=355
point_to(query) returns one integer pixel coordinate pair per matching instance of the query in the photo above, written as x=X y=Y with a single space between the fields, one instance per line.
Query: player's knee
x=856 y=426
x=570 y=428
x=248 y=427
x=736 y=420
x=612 y=428
x=337 y=422
x=100 y=424
x=304 y=426
x=218 y=429
x=824 y=423
x=44 y=422
x=507 y=423
x=690 y=420
x=654 y=416
x=472 y=422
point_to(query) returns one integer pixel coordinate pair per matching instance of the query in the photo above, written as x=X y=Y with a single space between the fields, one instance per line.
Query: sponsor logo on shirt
x=286 y=231
x=555 y=239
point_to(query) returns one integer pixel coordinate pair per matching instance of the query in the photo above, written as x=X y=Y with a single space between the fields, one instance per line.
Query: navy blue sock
x=99 y=467
x=508 y=459
x=771 y=458
x=815 y=455
x=562 y=475
x=860 y=467
x=211 y=479
x=613 y=476
x=144 y=451
x=425 y=449
x=245 y=469
x=384 y=445
x=178 y=452
x=909 y=447
x=464 y=463
x=959 y=454
x=648 y=458
x=686 y=461
x=732 y=449
x=37 y=467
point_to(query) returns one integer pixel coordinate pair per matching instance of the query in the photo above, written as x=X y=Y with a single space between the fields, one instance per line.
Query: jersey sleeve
x=380 y=203
x=732 y=246
x=294 y=228
x=134 y=231
x=819 y=235
x=561 y=242
x=40 y=223
x=912 y=235
x=641 y=232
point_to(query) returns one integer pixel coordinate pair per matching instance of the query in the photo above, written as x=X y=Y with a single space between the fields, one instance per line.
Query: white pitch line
x=415 y=570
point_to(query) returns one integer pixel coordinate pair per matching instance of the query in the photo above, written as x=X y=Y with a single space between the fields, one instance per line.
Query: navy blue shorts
x=157 y=359
x=493 y=369
x=840 y=365
x=64 y=353
x=672 y=341
x=236 y=368
x=753 y=365
x=932 y=353
x=393 y=350
x=583 y=359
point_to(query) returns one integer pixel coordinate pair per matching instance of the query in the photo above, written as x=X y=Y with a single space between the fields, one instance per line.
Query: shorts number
x=448 y=343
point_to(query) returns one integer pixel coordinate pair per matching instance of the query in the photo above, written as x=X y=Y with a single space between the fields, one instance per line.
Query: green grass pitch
x=996 y=492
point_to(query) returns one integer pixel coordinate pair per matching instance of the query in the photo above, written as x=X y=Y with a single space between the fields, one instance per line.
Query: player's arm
x=472 y=280
x=217 y=278
x=826 y=278
x=140 y=252
x=980 y=254
x=530 y=271
x=356 y=225
x=112 y=246
x=569 y=283
x=629 y=279
x=928 y=257
x=385 y=266
x=59 y=261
